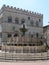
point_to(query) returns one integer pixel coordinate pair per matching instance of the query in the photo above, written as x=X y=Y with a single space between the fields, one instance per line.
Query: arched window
x=16 y=20
x=31 y=23
x=37 y=23
x=22 y=21
x=39 y=20
x=9 y=19
x=15 y=35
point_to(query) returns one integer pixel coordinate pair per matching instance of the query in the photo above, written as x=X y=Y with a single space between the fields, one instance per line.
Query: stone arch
x=16 y=33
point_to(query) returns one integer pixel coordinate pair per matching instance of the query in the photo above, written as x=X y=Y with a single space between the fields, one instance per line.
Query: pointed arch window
x=9 y=19
x=39 y=20
x=22 y=21
x=16 y=20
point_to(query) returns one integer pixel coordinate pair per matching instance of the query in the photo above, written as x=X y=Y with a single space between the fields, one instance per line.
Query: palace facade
x=21 y=31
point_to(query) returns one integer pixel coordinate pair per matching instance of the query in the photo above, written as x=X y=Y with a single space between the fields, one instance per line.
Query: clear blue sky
x=40 y=6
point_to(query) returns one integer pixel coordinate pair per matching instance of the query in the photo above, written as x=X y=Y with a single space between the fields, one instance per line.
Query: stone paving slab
x=26 y=63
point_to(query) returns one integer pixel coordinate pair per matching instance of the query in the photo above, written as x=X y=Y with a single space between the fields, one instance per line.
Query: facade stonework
x=13 y=18
x=21 y=32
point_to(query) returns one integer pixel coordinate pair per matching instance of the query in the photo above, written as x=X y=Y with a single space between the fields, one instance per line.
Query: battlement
x=23 y=10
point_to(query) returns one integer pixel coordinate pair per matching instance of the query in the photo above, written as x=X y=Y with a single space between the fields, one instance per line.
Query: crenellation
x=20 y=9
x=30 y=12
x=25 y=11
x=4 y=5
x=35 y=13
x=14 y=7
x=7 y=6
x=11 y=7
